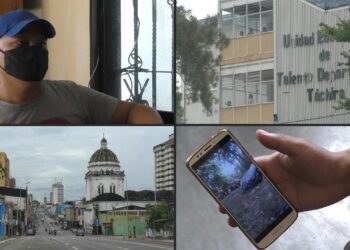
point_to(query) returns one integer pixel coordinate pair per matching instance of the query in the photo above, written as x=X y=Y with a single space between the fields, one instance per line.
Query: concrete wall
x=70 y=49
x=8 y=5
x=122 y=223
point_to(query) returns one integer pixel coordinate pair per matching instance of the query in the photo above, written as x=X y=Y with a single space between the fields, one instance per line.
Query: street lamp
x=127 y=205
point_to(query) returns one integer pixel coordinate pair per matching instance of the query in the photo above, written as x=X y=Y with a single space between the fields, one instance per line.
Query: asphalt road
x=65 y=240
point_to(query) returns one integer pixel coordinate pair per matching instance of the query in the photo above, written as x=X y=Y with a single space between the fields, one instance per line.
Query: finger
x=222 y=210
x=285 y=144
x=232 y=222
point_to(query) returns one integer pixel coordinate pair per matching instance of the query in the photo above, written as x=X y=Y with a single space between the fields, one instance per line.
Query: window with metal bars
x=132 y=51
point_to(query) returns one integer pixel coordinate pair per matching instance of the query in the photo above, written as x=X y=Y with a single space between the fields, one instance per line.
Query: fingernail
x=263 y=132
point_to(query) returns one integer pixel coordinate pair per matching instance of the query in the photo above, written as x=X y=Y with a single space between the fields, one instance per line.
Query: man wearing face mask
x=25 y=98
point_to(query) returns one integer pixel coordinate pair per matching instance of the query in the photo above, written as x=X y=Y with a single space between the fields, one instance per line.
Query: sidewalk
x=132 y=239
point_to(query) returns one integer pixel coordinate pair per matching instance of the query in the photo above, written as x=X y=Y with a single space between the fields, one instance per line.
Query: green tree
x=195 y=62
x=161 y=217
x=179 y=108
x=340 y=33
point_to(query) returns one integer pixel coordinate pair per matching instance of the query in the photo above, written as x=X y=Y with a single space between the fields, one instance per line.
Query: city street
x=67 y=240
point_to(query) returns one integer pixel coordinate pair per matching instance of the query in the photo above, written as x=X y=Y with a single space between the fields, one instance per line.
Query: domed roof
x=103 y=154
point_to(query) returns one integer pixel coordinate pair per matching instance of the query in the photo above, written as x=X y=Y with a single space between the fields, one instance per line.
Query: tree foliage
x=340 y=33
x=161 y=217
x=196 y=63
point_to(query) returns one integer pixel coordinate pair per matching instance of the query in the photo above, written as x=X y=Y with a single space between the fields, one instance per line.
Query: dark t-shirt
x=62 y=102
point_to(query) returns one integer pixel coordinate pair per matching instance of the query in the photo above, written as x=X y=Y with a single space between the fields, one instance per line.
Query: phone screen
x=240 y=186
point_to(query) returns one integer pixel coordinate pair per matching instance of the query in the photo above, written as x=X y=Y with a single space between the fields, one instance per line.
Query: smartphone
x=234 y=180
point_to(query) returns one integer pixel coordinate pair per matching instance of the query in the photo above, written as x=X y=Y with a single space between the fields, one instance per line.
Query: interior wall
x=8 y=5
x=70 y=49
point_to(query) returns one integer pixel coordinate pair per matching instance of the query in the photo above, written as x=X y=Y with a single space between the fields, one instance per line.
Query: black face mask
x=27 y=63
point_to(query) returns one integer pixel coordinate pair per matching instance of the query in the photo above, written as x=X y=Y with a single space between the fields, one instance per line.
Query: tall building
x=164 y=165
x=4 y=170
x=57 y=193
x=278 y=66
x=51 y=198
x=12 y=183
x=104 y=175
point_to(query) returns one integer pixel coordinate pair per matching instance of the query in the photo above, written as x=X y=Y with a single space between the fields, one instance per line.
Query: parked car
x=52 y=231
x=74 y=230
x=80 y=232
x=30 y=231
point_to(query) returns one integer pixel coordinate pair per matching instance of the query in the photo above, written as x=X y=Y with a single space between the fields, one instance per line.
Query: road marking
x=149 y=245
x=1 y=242
x=75 y=248
x=123 y=248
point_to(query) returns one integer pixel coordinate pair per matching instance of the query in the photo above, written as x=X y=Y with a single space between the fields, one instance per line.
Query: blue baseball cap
x=15 y=21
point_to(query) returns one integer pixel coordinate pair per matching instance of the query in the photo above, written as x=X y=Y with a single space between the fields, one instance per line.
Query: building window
x=227 y=22
x=100 y=189
x=253 y=87
x=253 y=18
x=267 y=89
x=227 y=91
x=240 y=90
x=240 y=20
x=112 y=189
x=248 y=19
x=326 y=4
x=250 y=88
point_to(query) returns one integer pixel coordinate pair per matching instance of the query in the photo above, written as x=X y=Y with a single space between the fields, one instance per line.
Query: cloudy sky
x=40 y=155
x=200 y=8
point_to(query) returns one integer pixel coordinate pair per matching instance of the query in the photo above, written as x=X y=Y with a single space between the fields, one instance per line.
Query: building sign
x=320 y=74
x=309 y=77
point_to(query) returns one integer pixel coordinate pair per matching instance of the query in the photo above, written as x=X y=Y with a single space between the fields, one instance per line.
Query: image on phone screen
x=240 y=186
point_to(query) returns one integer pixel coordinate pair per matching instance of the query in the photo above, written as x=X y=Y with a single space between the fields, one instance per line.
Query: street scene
x=67 y=240
x=94 y=195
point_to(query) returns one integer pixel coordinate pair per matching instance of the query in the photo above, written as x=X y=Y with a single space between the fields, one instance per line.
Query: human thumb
x=282 y=143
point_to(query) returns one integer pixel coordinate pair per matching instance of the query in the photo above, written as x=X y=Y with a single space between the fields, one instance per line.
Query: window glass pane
x=253 y=24
x=267 y=93
x=240 y=26
x=240 y=10
x=267 y=75
x=240 y=90
x=254 y=8
x=253 y=93
x=227 y=22
x=254 y=76
x=253 y=87
x=329 y=4
x=267 y=5
x=267 y=21
x=227 y=91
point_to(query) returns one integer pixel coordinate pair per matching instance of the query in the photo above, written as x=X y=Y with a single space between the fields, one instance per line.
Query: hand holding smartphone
x=234 y=180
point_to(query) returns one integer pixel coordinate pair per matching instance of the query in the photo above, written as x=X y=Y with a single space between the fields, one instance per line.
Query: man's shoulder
x=59 y=83
x=64 y=86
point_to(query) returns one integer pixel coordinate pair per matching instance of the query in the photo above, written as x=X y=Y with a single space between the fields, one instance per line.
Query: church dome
x=103 y=154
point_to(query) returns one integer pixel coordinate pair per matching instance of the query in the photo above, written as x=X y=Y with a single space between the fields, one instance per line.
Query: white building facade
x=165 y=165
x=279 y=68
x=104 y=173
x=309 y=82
x=57 y=193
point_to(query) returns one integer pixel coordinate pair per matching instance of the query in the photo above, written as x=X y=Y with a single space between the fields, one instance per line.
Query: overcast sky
x=200 y=8
x=42 y=154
